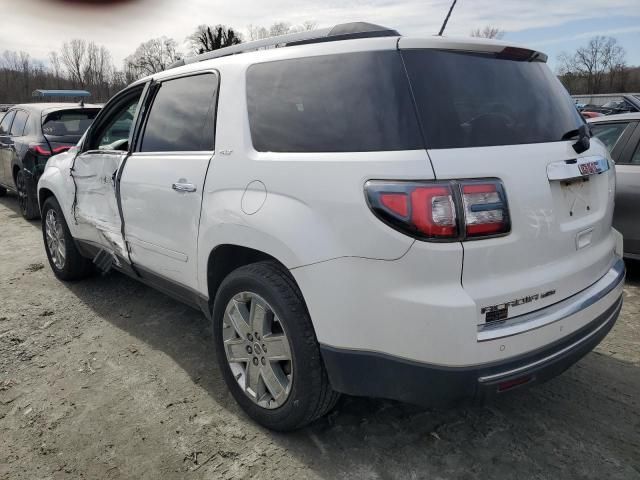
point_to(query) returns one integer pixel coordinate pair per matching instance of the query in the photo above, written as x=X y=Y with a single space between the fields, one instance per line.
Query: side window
x=113 y=130
x=17 y=128
x=116 y=135
x=635 y=160
x=608 y=133
x=182 y=116
x=355 y=102
x=6 y=123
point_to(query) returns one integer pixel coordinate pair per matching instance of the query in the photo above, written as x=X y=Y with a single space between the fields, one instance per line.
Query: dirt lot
x=109 y=379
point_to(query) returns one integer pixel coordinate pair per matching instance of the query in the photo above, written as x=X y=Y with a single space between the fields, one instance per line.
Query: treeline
x=80 y=64
x=600 y=66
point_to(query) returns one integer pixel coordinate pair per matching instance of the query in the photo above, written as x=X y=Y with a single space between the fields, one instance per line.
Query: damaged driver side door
x=95 y=171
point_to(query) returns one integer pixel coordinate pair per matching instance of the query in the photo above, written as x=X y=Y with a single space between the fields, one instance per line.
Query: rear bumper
x=379 y=375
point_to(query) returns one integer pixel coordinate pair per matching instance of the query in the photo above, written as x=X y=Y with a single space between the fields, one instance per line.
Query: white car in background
x=358 y=212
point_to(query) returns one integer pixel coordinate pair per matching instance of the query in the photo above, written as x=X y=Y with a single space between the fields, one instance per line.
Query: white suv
x=422 y=219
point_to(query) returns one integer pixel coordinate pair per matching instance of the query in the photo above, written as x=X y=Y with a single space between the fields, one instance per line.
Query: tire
x=3 y=191
x=73 y=265
x=309 y=393
x=26 y=199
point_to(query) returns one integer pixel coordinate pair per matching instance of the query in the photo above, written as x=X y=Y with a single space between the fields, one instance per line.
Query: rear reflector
x=441 y=211
x=513 y=383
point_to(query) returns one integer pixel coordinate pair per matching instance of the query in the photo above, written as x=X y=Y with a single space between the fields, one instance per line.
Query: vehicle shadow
x=10 y=200
x=633 y=271
x=580 y=425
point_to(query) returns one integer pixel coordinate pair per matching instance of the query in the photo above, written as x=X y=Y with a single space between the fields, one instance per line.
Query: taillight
x=44 y=150
x=485 y=209
x=40 y=149
x=60 y=149
x=441 y=211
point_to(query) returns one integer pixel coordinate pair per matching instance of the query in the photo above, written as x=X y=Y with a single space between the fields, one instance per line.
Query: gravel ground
x=107 y=378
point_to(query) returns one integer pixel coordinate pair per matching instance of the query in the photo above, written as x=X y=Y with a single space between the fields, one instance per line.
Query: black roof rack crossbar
x=345 y=31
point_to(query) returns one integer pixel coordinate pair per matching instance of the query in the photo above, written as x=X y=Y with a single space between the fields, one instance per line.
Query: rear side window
x=608 y=133
x=475 y=100
x=6 y=123
x=354 y=102
x=68 y=123
x=17 y=128
x=182 y=115
x=635 y=160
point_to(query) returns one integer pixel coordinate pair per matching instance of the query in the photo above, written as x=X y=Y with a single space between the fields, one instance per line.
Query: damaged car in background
x=33 y=132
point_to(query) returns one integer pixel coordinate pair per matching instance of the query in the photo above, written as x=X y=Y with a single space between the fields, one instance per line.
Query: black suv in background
x=29 y=135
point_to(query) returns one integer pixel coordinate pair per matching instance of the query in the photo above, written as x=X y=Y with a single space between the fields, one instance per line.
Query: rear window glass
x=608 y=133
x=64 y=123
x=182 y=116
x=476 y=100
x=352 y=102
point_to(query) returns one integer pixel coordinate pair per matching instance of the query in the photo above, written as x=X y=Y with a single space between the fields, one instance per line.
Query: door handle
x=184 y=187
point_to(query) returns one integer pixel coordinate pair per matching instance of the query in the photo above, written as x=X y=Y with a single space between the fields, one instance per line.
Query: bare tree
x=602 y=58
x=56 y=67
x=72 y=55
x=257 y=32
x=207 y=38
x=488 y=31
x=153 y=56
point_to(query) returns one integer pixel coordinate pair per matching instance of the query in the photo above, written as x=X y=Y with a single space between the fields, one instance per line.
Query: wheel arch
x=225 y=258
x=43 y=194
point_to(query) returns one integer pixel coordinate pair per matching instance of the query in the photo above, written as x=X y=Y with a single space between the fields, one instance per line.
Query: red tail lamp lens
x=397 y=203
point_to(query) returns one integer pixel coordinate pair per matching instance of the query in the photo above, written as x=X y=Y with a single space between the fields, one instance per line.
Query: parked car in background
x=586 y=114
x=621 y=135
x=29 y=135
x=622 y=104
x=350 y=221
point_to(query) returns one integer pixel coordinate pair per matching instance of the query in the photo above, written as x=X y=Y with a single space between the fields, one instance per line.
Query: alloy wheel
x=55 y=239
x=257 y=350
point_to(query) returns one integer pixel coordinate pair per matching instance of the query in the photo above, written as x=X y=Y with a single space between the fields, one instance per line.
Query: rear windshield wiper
x=583 y=134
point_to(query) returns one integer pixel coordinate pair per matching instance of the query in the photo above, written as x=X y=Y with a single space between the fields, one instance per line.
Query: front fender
x=56 y=178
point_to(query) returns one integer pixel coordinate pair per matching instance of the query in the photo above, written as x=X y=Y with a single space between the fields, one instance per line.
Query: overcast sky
x=39 y=26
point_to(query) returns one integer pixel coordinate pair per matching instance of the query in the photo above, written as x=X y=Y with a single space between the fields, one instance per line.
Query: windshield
x=475 y=100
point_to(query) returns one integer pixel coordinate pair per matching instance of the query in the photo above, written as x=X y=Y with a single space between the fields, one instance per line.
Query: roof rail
x=345 y=31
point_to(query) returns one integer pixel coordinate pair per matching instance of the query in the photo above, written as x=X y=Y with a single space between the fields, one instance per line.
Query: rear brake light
x=40 y=149
x=61 y=149
x=45 y=150
x=441 y=211
x=433 y=212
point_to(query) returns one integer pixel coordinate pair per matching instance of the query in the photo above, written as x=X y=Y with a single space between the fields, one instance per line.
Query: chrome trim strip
x=498 y=376
x=612 y=280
